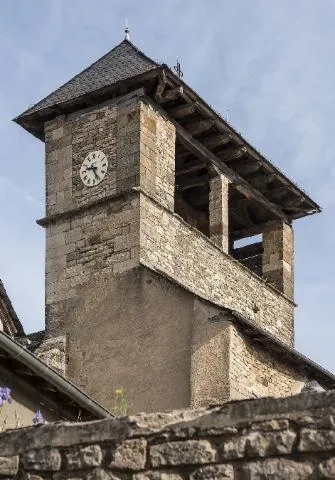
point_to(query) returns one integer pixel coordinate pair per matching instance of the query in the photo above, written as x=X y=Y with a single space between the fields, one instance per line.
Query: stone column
x=218 y=212
x=277 y=260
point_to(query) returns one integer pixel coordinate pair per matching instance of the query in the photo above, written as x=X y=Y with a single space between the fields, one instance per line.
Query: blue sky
x=270 y=63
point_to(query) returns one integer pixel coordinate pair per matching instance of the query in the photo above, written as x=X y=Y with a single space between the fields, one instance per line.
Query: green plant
x=120 y=403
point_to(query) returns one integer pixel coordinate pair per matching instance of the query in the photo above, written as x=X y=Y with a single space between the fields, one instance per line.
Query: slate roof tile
x=122 y=62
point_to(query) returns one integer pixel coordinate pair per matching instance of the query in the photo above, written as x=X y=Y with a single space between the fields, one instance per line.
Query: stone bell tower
x=148 y=191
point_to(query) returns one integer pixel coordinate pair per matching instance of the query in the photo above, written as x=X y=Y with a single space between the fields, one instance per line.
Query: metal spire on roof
x=126 y=31
x=177 y=69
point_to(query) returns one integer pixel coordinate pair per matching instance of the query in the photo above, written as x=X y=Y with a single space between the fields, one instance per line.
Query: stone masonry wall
x=255 y=372
x=101 y=241
x=170 y=245
x=291 y=438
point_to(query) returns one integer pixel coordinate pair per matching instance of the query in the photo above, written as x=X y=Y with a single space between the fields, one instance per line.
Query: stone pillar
x=218 y=212
x=277 y=260
x=157 y=156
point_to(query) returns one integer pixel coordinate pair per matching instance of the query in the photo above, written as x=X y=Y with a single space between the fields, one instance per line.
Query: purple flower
x=38 y=418
x=5 y=395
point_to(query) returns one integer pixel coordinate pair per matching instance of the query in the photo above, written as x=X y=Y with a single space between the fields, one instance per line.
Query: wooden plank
x=198 y=127
x=240 y=183
x=183 y=110
x=249 y=231
x=231 y=154
x=193 y=182
x=248 y=250
x=216 y=141
x=191 y=167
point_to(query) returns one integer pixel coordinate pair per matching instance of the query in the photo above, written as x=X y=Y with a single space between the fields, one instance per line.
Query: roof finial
x=126 y=31
x=178 y=69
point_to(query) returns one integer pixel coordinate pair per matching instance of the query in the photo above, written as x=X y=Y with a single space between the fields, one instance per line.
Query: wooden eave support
x=161 y=95
x=217 y=141
x=240 y=183
x=183 y=110
x=192 y=98
x=199 y=127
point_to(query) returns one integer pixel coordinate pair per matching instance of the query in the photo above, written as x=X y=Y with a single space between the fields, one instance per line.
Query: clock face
x=94 y=168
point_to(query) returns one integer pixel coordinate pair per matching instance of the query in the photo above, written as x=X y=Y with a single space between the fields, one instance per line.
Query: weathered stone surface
x=131 y=454
x=326 y=468
x=190 y=452
x=263 y=444
x=32 y=476
x=271 y=425
x=315 y=440
x=9 y=466
x=151 y=475
x=101 y=474
x=234 y=448
x=277 y=469
x=46 y=459
x=213 y=472
x=90 y=456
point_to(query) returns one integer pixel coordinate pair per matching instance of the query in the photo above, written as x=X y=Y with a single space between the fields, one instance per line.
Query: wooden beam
x=198 y=127
x=170 y=95
x=249 y=231
x=240 y=183
x=193 y=182
x=246 y=168
x=231 y=154
x=191 y=167
x=183 y=110
x=248 y=250
x=216 y=141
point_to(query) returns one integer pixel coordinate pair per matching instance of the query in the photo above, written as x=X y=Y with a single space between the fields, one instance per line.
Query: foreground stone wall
x=291 y=438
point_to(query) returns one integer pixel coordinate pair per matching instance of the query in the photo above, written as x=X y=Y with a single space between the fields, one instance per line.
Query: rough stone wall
x=53 y=352
x=170 y=245
x=291 y=438
x=278 y=256
x=101 y=241
x=256 y=372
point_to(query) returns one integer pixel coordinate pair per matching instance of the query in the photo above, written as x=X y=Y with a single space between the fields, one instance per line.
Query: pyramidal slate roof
x=122 y=62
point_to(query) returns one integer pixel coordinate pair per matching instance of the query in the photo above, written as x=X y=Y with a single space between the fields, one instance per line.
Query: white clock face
x=94 y=168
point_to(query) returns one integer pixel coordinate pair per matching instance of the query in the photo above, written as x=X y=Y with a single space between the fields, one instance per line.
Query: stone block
x=45 y=459
x=326 y=468
x=214 y=472
x=101 y=474
x=190 y=452
x=264 y=444
x=277 y=468
x=130 y=454
x=90 y=456
x=155 y=475
x=9 y=466
x=316 y=440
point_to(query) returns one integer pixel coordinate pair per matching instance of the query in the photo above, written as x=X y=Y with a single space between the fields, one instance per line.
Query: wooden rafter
x=249 y=231
x=248 y=250
x=183 y=110
x=191 y=167
x=240 y=183
x=198 y=127
x=199 y=181
x=216 y=141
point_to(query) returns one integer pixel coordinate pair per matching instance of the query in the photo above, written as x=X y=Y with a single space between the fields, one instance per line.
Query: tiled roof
x=122 y=62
